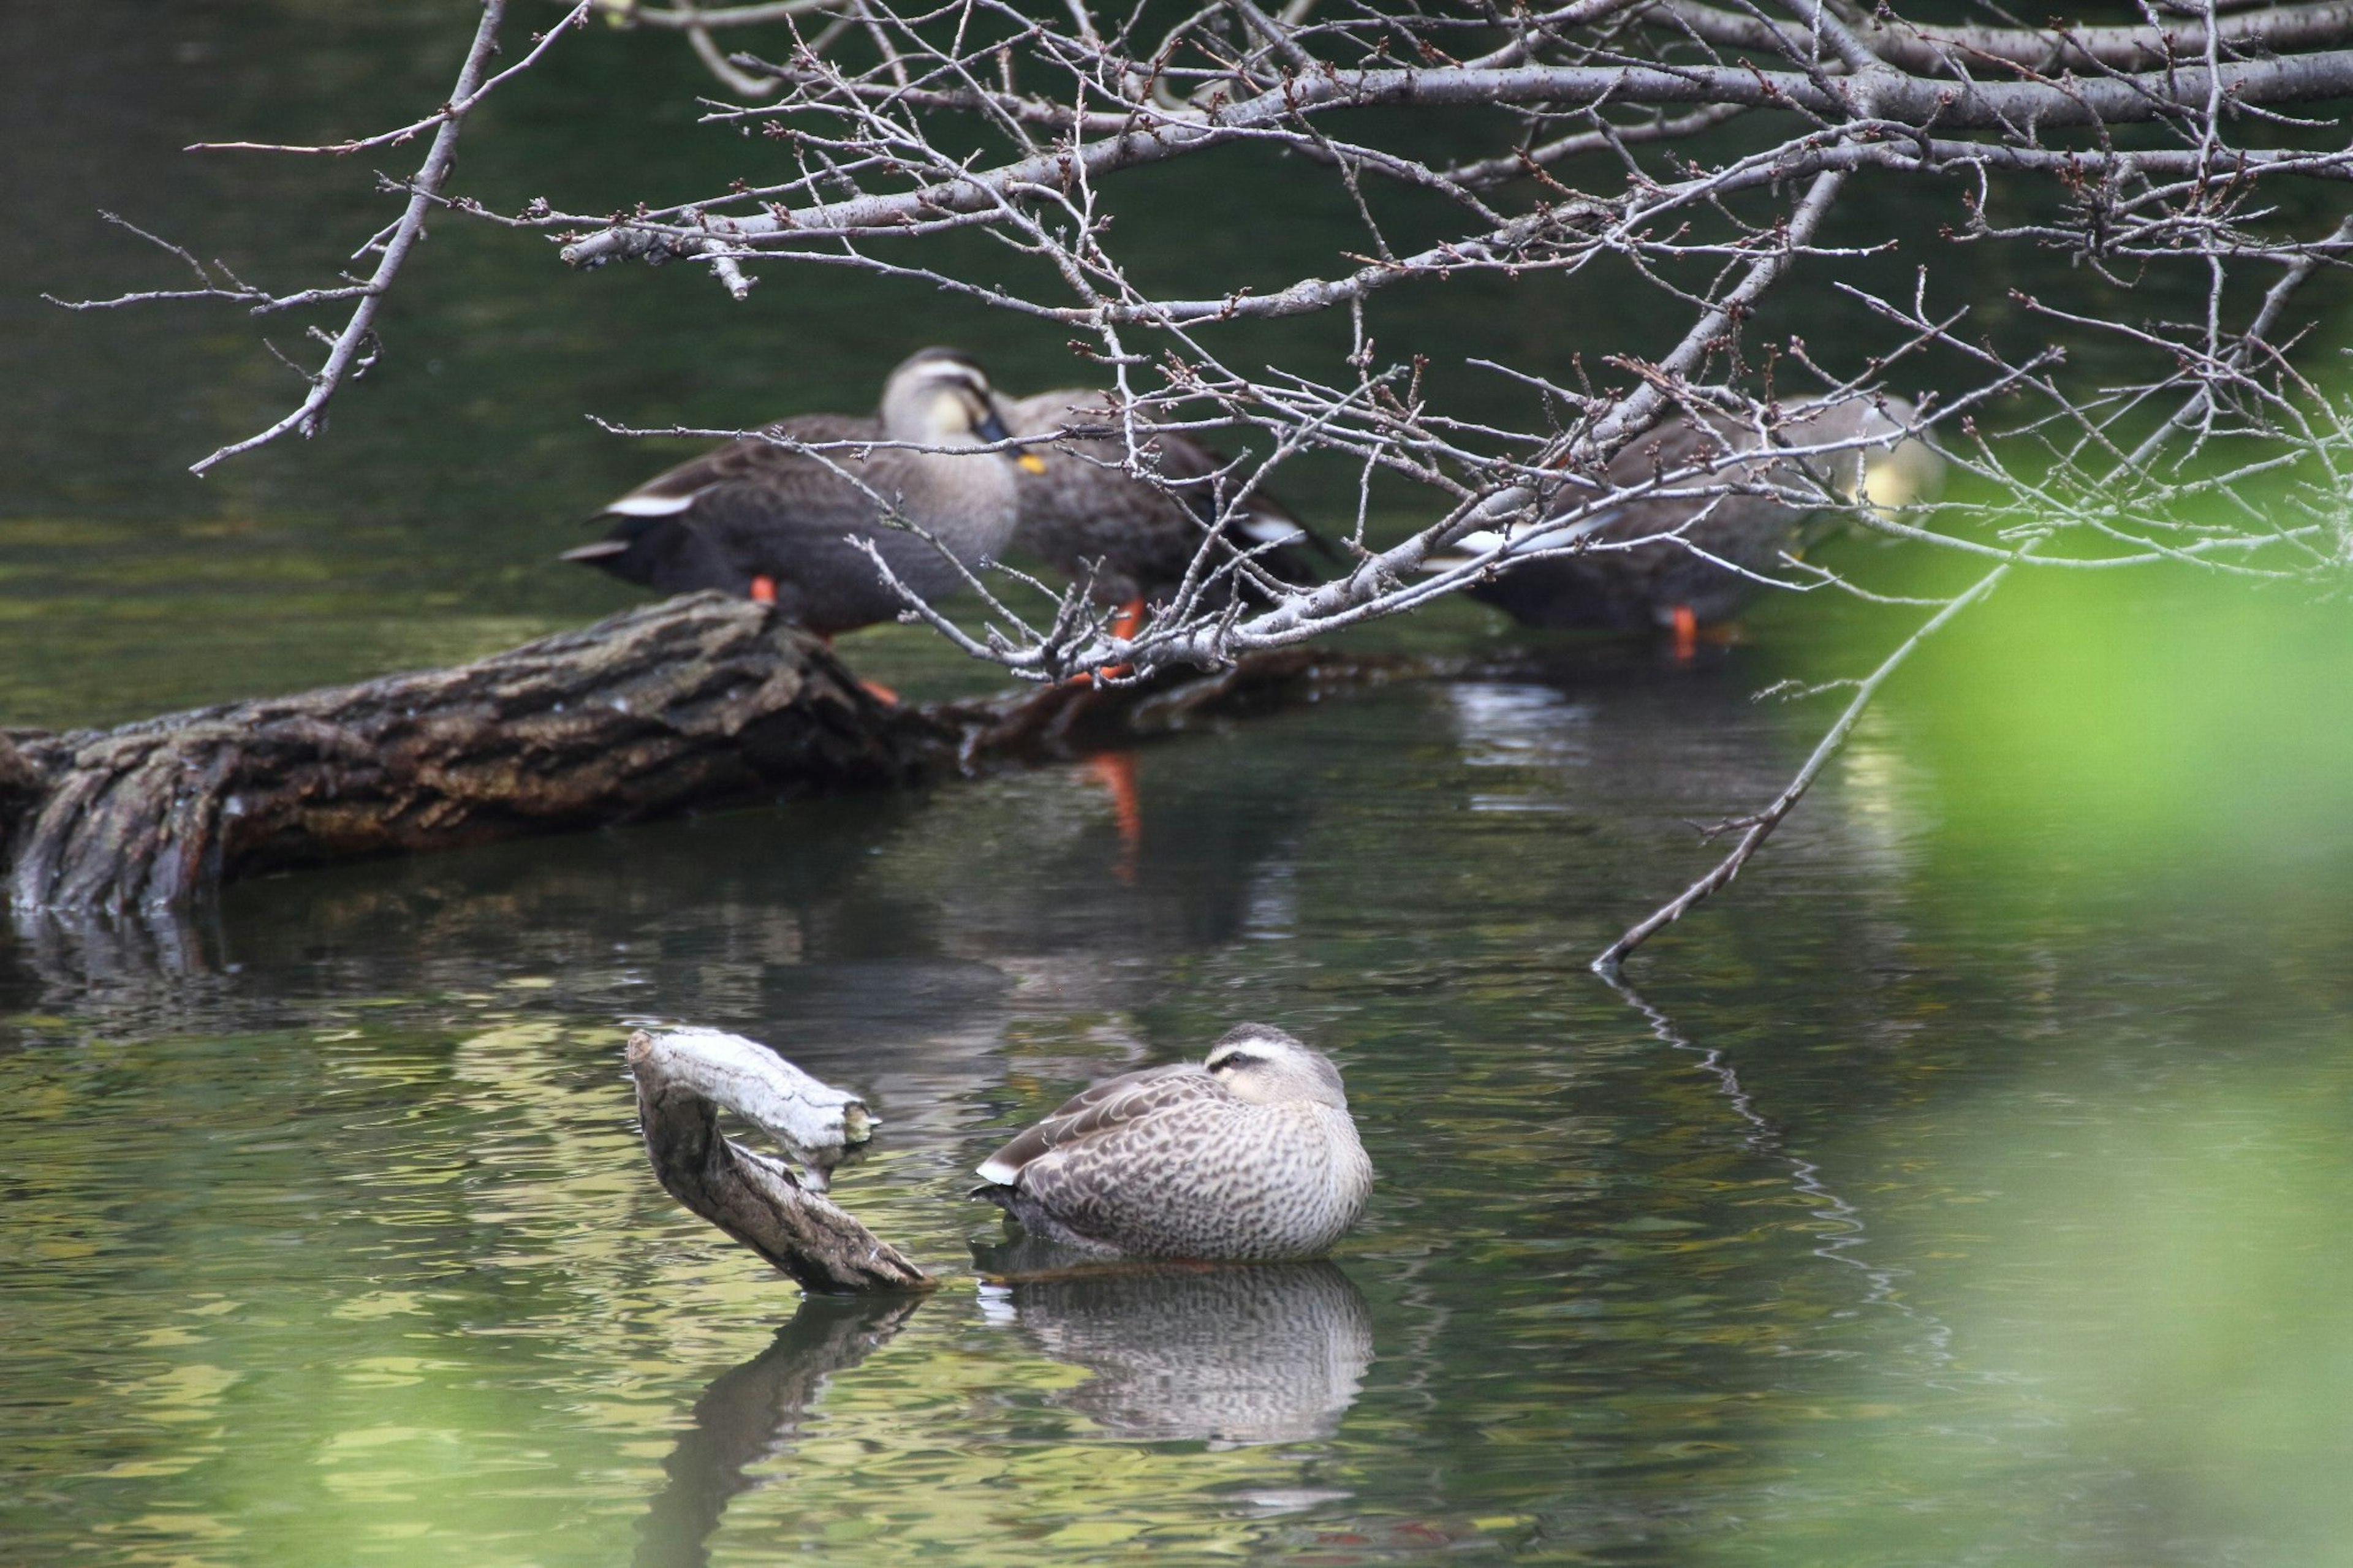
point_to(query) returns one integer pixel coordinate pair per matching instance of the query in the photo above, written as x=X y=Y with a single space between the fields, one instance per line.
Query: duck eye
x=1231 y=1062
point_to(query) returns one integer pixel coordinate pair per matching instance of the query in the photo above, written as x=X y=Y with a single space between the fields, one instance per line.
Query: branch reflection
x=1843 y=1233
x=755 y=1411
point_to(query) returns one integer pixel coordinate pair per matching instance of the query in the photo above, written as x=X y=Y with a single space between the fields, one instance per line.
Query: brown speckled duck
x=1670 y=582
x=1251 y=1154
x=1135 y=541
x=760 y=520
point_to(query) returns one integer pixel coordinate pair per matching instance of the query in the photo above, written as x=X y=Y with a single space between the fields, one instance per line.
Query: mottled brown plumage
x=1134 y=539
x=1642 y=588
x=1251 y=1154
x=753 y=512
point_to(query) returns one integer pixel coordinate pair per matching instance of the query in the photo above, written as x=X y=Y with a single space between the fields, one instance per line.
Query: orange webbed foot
x=763 y=589
x=1686 y=627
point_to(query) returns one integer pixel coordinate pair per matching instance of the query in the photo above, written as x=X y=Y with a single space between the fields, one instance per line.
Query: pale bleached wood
x=814 y=1122
x=683 y=1079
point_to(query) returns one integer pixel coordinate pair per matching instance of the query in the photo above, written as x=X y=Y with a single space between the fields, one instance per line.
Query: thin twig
x=344 y=353
x=1611 y=959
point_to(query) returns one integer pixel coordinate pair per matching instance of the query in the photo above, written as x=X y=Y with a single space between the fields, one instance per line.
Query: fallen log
x=696 y=701
x=1076 y=718
x=21 y=785
x=701 y=702
x=683 y=1080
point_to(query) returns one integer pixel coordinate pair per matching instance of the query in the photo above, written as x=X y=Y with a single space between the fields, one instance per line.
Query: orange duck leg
x=1125 y=625
x=874 y=689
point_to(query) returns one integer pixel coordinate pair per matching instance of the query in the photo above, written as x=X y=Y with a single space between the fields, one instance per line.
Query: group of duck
x=789 y=515
x=1250 y=1153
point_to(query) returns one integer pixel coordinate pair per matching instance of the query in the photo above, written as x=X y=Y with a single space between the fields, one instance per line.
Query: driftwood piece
x=699 y=701
x=683 y=1079
x=695 y=701
x=814 y=1122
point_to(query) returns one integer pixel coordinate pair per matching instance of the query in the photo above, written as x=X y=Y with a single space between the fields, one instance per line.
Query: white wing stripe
x=650 y=506
x=1480 y=541
x=1271 y=530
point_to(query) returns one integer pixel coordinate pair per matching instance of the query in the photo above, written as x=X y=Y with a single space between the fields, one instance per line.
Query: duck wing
x=1084 y=508
x=1263 y=520
x=716 y=520
x=753 y=465
x=1676 y=542
x=1101 y=1109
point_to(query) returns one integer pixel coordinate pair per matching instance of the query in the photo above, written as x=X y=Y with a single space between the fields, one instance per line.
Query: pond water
x=1970 y=1184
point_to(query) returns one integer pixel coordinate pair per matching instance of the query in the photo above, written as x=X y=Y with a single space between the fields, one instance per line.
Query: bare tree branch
x=1698 y=151
x=353 y=349
x=1755 y=829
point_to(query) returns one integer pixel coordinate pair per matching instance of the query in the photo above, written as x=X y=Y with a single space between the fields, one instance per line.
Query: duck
x=1132 y=541
x=1672 y=582
x=765 y=520
x=1250 y=1154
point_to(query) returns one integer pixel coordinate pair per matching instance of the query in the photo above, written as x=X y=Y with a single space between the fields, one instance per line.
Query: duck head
x=1904 y=474
x=1894 y=472
x=1259 y=1063
x=941 y=397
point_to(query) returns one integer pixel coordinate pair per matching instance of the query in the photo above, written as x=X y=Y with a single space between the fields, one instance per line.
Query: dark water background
x=1969 y=1185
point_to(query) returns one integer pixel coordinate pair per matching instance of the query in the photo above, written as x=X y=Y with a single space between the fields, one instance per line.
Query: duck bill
x=992 y=429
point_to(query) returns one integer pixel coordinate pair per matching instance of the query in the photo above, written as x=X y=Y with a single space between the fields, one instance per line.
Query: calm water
x=1970 y=1186
x=1972 y=1189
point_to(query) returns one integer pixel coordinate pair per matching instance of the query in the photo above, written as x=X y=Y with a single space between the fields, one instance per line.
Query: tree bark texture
x=699 y=702
x=696 y=701
x=753 y=1198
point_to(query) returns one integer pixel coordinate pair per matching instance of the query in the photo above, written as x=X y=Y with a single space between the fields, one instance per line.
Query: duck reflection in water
x=1231 y=1354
